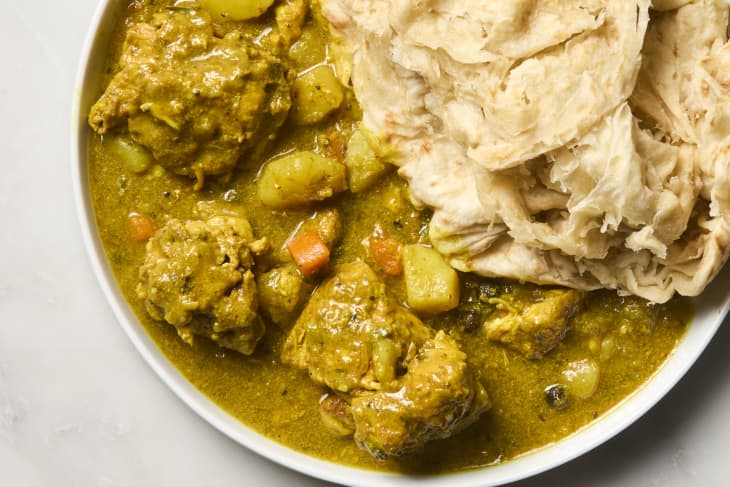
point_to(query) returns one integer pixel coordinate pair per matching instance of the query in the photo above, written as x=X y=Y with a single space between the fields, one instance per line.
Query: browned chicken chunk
x=197 y=276
x=533 y=328
x=402 y=385
x=197 y=102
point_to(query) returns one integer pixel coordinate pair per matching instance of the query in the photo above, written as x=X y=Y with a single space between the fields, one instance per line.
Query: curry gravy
x=280 y=402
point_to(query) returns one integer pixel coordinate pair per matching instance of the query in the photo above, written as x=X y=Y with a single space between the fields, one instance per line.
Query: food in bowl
x=276 y=258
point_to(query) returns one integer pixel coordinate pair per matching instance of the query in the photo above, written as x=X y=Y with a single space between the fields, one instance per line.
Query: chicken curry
x=275 y=257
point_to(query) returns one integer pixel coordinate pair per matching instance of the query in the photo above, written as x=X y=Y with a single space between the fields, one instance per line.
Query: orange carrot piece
x=140 y=227
x=309 y=252
x=386 y=253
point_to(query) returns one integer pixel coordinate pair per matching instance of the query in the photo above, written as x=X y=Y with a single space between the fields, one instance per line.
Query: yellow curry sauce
x=626 y=336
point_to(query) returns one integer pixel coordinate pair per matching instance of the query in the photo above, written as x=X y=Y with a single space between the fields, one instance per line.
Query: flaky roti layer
x=578 y=143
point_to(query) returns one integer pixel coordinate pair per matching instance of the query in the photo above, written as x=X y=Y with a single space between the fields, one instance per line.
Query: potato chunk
x=364 y=168
x=300 y=178
x=582 y=377
x=309 y=49
x=432 y=286
x=132 y=156
x=282 y=290
x=237 y=9
x=316 y=94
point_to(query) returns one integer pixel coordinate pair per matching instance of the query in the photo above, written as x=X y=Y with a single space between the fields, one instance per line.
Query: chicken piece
x=533 y=329
x=196 y=101
x=197 y=276
x=352 y=334
x=437 y=397
x=356 y=339
x=289 y=16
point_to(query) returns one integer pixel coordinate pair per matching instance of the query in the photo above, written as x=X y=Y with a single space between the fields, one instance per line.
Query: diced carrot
x=386 y=253
x=140 y=227
x=309 y=252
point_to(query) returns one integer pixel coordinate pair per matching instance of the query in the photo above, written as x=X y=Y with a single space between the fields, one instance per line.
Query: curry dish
x=276 y=258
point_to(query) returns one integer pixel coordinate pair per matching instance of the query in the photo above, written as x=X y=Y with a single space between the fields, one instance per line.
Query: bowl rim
x=711 y=308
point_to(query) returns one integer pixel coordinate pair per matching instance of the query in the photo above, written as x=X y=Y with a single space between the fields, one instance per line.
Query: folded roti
x=575 y=143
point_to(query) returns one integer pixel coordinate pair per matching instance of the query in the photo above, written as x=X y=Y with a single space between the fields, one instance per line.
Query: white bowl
x=711 y=309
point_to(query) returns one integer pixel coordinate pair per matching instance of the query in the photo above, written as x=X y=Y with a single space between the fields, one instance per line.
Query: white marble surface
x=79 y=407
